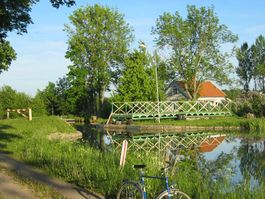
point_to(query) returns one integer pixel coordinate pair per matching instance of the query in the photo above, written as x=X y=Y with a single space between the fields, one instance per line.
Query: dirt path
x=10 y=188
x=65 y=189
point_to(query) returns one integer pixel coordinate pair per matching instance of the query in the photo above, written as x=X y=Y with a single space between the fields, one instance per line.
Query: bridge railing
x=141 y=110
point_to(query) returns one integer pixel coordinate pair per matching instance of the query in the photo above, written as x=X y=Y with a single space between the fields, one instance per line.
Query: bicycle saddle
x=139 y=166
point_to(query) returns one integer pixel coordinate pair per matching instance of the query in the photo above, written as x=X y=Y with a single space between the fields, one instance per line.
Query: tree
x=98 y=40
x=259 y=60
x=50 y=98
x=65 y=107
x=195 y=46
x=14 y=16
x=136 y=82
x=7 y=55
x=245 y=69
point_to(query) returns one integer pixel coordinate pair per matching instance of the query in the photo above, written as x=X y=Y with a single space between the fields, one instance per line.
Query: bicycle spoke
x=130 y=191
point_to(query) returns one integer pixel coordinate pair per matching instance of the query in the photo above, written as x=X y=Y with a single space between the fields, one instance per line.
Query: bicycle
x=136 y=190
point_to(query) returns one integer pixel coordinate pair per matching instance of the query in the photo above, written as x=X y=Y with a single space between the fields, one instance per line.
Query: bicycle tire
x=175 y=194
x=130 y=190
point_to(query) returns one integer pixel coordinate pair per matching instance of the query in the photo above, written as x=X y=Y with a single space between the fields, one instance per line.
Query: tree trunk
x=255 y=83
x=263 y=84
x=100 y=101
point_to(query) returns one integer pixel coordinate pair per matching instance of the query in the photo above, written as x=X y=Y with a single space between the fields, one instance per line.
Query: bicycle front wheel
x=174 y=194
x=130 y=190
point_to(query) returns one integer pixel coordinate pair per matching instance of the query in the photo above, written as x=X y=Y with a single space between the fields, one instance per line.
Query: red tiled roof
x=208 y=89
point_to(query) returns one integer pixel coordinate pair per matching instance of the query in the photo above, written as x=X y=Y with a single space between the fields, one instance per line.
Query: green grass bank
x=248 y=124
x=78 y=163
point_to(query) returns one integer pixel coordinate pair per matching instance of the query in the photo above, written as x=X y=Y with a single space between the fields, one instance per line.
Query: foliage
x=106 y=110
x=137 y=81
x=77 y=93
x=109 y=37
x=245 y=69
x=66 y=103
x=50 y=99
x=251 y=64
x=12 y=99
x=7 y=55
x=14 y=16
x=251 y=102
x=259 y=60
x=233 y=94
x=195 y=44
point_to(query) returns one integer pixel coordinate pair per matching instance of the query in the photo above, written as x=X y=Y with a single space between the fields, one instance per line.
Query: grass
x=88 y=167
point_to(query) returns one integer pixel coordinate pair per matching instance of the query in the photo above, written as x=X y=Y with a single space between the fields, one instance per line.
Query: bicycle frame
x=142 y=182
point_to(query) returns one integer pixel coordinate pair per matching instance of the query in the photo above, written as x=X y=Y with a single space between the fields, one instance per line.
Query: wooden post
x=30 y=114
x=123 y=152
x=7 y=114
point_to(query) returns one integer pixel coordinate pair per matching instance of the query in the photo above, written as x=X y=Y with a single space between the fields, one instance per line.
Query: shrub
x=252 y=102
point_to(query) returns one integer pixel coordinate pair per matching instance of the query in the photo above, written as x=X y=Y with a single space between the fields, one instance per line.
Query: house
x=207 y=92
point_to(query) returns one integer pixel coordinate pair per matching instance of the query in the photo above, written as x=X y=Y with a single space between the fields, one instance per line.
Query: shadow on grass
x=6 y=137
x=66 y=189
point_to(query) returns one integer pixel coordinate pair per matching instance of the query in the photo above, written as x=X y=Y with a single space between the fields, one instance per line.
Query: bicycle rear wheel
x=174 y=194
x=130 y=190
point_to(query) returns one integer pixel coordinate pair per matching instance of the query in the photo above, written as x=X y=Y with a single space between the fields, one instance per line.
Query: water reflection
x=226 y=158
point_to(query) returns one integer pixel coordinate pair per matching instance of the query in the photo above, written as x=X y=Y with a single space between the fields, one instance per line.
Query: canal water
x=230 y=158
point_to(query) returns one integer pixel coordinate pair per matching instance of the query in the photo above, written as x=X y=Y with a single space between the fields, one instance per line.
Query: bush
x=252 y=102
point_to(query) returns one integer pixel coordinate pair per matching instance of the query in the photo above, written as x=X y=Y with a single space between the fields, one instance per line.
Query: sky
x=41 y=52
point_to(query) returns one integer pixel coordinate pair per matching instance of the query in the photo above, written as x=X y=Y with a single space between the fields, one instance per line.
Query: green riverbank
x=88 y=167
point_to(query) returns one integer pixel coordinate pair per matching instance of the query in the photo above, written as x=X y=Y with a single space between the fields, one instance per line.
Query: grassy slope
x=13 y=133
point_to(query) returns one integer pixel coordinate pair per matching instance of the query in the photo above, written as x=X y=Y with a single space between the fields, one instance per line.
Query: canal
x=204 y=164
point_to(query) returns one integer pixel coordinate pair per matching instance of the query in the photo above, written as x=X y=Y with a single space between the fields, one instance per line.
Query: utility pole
x=143 y=46
x=157 y=91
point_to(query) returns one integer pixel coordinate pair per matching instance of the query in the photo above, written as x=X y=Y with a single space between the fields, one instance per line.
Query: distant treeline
x=11 y=99
x=46 y=102
x=51 y=102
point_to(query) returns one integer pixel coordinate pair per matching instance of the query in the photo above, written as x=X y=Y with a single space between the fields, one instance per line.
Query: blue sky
x=40 y=53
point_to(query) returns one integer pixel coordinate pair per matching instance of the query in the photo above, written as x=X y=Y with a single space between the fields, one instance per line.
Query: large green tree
x=7 y=55
x=50 y=98
x=258 y=57
x=245 y=69
x=99 y=38
x=136 y=82
x=195 y=46
x=15 y=16
x=77 y=94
